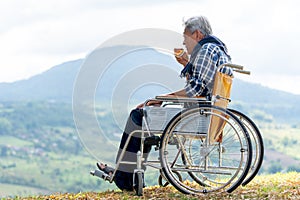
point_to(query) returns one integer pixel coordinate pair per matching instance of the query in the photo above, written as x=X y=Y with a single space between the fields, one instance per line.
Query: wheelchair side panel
x=157 y=118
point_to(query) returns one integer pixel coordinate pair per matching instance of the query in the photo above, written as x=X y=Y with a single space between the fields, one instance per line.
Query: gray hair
x=200 y=23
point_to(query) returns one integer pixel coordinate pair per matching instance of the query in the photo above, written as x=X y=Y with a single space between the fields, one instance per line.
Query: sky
x=36 y=35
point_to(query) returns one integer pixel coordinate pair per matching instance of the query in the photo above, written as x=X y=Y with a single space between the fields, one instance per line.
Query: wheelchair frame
x=204 y=166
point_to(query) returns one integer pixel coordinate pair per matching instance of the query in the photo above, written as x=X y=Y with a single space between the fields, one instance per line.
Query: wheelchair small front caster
x=139 y=183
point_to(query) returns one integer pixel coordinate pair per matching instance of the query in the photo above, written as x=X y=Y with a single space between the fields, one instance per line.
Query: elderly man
x=206 y=52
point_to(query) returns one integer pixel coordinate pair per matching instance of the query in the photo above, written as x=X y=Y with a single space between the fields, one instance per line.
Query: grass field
x=284 y=139
x=7 y=189
x=5 y=139
x=46 y=160
x=276 y=186
x=48 y=174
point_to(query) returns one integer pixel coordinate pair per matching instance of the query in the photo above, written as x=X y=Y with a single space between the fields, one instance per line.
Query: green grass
x=10 y=140
x=283 y=139
x=61 y=173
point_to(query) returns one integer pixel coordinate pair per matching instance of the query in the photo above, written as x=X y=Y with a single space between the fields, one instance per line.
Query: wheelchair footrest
x=100 y=174
x=152 y=140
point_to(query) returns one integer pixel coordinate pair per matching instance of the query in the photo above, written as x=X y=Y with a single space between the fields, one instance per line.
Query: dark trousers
x=124 y=174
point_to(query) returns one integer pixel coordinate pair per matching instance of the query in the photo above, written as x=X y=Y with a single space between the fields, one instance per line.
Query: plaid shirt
x=205 y=61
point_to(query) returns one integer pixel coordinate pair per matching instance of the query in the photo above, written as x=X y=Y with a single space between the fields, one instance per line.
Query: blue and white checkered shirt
x=204 y=62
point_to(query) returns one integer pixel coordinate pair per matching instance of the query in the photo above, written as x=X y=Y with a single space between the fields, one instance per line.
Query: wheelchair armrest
x=180 y=99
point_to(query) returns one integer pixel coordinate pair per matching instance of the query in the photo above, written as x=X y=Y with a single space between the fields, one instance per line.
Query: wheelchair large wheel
x=256 y=142
x=162 y=182
x=205 y=165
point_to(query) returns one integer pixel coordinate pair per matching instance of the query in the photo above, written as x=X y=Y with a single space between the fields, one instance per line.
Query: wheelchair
x=203 y=145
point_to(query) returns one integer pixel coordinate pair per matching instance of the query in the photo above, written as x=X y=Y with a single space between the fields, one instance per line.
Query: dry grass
x=276 y=186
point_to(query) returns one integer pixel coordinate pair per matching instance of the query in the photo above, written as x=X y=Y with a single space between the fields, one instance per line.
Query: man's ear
x=199 y=35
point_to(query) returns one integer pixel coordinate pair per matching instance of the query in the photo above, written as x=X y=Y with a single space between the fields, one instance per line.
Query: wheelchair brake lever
x=224 y=98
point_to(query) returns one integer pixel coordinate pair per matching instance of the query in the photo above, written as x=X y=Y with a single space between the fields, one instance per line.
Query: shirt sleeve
x=227 y=70
x=194 y=87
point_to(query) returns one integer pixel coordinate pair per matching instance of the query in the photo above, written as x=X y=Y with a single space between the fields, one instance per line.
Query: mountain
x=55 y=83
x=122 y=73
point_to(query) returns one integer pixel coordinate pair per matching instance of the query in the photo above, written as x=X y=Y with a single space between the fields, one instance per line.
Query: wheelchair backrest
x=222 y=88
x=221 y=98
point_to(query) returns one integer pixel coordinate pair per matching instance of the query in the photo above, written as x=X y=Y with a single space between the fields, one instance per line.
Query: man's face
x=191 y=39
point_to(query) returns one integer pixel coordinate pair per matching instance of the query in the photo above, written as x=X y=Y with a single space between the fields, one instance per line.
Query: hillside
x=42 y=152
x=277 y=186
x=282 y=106
x=53 y=84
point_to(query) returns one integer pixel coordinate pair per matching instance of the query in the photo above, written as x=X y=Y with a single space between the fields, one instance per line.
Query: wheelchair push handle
x=242 y=71
x=233 y=66
x=236 y=68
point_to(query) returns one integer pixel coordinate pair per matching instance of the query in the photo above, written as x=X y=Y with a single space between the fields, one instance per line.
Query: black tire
x=257 y=145
x=163 y=182
x=139 y=183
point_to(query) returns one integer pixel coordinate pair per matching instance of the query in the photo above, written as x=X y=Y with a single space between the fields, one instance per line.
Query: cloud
x=36 y=35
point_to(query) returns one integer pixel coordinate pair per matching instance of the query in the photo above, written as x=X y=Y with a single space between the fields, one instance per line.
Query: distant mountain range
x=53 y=84
x=57 y=84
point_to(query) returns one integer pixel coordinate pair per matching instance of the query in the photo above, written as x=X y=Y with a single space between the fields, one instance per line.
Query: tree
x=5 y=126
x=274 y=168
x=4 y=151
x=293 y=168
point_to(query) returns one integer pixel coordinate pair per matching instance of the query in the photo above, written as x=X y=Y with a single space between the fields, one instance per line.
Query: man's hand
x=181 y=56
x=150 y=103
